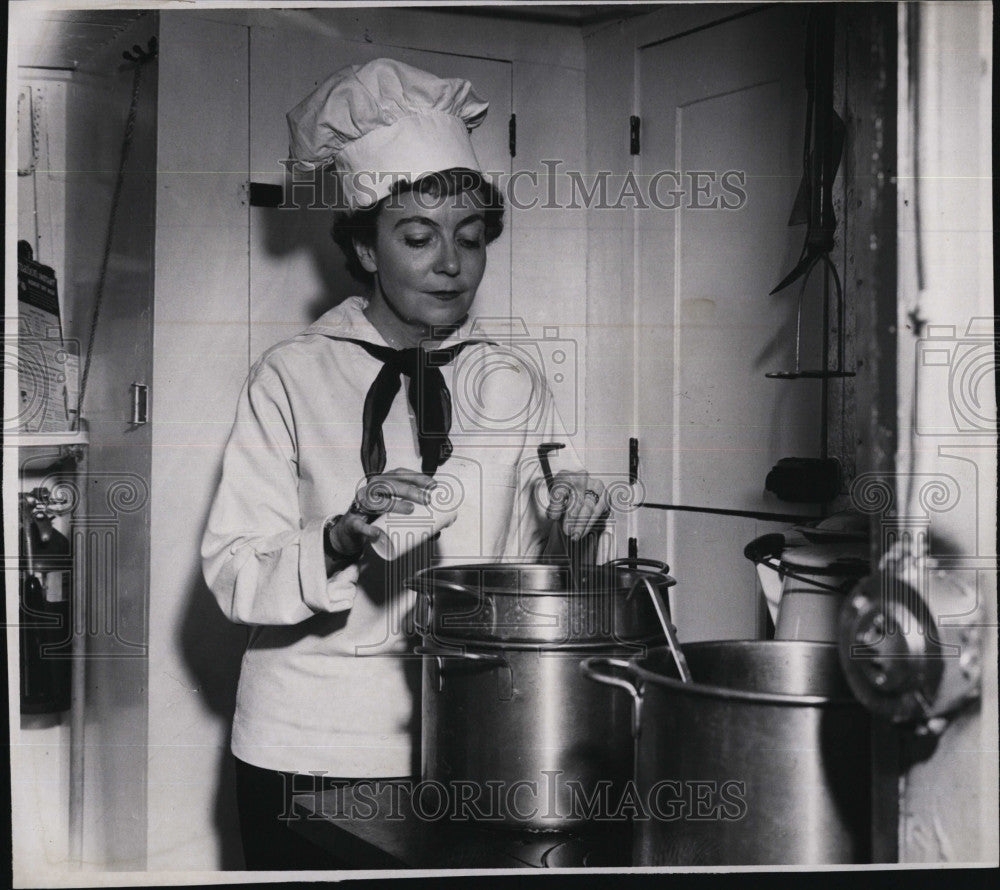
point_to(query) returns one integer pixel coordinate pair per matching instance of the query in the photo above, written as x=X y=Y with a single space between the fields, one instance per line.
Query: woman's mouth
x=445 y=294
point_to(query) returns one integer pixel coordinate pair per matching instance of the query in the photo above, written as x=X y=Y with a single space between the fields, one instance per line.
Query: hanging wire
x=140 y=58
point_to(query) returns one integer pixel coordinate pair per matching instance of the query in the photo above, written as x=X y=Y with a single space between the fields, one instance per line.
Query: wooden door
x=723 y=106
x=296 y=271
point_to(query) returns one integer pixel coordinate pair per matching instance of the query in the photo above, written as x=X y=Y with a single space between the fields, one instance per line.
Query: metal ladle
x=579 y=554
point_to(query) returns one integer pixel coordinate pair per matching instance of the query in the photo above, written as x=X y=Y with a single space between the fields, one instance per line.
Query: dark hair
x=360 y=224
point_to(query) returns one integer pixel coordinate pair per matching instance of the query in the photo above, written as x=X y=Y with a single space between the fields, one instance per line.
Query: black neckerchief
x=428 y=396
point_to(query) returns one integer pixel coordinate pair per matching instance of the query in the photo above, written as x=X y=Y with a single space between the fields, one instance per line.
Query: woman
x=352 y=419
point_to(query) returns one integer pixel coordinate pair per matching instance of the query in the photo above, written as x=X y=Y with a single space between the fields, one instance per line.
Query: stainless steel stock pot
x=511 y=730
x=763 y=758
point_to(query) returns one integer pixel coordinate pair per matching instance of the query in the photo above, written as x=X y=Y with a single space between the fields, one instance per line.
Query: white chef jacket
x=328 y=683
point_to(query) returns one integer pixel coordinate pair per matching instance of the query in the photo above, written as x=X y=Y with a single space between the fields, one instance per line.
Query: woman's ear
x=366 y=256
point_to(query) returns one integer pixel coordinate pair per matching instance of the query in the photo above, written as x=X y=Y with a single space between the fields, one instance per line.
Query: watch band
x=340 y=560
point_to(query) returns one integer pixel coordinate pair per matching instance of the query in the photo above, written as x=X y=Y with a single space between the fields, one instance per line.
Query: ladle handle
x=663 y=613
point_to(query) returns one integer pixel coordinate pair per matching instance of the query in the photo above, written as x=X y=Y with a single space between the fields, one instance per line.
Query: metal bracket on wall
x=633 y=479
x=633 y=134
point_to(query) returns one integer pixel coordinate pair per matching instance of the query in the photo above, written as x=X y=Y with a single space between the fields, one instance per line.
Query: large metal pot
x=511 y=731
x=763 y=759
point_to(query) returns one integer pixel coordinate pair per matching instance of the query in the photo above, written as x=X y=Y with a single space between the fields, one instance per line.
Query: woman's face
x=428 y=257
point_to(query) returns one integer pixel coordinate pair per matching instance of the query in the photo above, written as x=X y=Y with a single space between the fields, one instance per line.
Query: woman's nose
x=447 y=260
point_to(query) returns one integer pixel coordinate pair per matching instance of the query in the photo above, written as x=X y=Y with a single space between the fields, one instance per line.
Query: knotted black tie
x=428 y=396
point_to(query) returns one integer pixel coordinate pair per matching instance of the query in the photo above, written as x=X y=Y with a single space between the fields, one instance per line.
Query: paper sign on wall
x=46 y=392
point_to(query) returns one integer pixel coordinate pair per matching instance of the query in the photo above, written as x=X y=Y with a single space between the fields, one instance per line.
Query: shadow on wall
x=303 y=229
x=211 y=646
x=212 y=649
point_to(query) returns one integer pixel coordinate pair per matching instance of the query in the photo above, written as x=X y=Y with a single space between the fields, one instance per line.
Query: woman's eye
x=416 y=241
x=471 y=239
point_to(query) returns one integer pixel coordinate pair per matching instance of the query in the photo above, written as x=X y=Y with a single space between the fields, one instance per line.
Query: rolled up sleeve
x=263 y=561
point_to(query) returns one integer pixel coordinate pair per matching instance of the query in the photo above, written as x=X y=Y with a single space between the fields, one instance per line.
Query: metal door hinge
x=140 y=404
x=265 y=194
x=633 y=134
x=512 y=135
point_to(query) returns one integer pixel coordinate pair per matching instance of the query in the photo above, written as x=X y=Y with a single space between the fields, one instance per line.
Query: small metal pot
x=763 y=759
x=512 y=733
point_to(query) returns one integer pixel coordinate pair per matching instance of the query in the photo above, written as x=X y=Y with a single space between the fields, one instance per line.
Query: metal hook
x=140 y=54
x=817 y=260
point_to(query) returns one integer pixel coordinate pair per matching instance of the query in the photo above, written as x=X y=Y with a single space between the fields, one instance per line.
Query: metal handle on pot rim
x=421 y=611
x=591 y=669
x=640 y=560
x=767 y=550
x=505 y=680
x=775 y=564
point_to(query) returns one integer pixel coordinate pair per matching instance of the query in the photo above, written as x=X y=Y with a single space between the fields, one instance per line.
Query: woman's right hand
x=396 y=491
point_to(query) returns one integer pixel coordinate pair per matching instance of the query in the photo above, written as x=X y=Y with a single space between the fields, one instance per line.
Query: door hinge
x=512 y=135
x=264 y=194
x=633 y=134
x=633 y=461
x=140 y=404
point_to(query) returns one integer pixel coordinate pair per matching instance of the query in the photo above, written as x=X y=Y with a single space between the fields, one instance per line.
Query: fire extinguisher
x=45 y=609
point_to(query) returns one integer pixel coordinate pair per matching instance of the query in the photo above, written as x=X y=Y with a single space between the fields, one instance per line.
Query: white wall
x=636 y=338
x=115 y=560
x=946 y=380
x=200 y=360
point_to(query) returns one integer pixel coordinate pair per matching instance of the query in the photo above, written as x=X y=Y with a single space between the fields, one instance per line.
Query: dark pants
x=263 y=798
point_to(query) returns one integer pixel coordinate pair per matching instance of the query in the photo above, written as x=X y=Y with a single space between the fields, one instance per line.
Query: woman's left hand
x=579 y=499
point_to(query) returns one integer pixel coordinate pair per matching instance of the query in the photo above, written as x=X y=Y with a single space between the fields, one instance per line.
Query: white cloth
x=385 y=121
x=328 y=682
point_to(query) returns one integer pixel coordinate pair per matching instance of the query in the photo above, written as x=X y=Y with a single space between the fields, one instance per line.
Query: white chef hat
x=384 y=121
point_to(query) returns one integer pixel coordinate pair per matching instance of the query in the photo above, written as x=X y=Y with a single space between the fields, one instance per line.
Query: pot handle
x=765 y=552
x=422 y=615
x=505 y=679
x=766 y=547
x=640 y=561
x=598 y=668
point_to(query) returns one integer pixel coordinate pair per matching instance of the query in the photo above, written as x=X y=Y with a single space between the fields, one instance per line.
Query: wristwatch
x=340 y=560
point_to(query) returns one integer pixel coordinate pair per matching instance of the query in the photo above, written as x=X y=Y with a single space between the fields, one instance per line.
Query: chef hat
x=384 y=121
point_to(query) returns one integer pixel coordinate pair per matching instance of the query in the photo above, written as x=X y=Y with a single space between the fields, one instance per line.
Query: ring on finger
x=591 y=493
x=358 y=508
